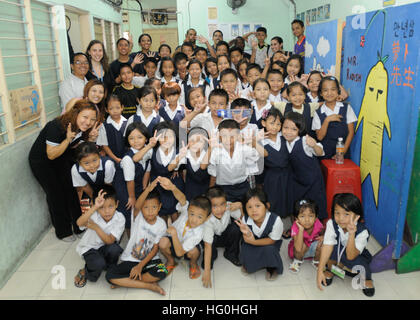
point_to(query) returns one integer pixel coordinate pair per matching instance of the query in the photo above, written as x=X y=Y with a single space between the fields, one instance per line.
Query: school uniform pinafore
x=196 y=182
x=306 y=115
x=155 y=121
x=254 y=258
x=116 y=138
x=307 y=179
x=335 y=130
x=99 y=183
x=179 y=116
x=276 y=178
x=187 y=89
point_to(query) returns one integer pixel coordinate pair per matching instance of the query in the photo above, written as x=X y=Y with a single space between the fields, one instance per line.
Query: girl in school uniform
x=167 y=70
x=91 y=171
x=307 y=180
x=261 y=236
x=275 y=79
x=261 y=92
x=194 y=80
x=172 y=110
x=51 y=159
x=157 y=84
x=111 y=133
x=296 y=93
x=294 y=69
x=134 y=175
x=196 y=161
x=344 y=245
x=244 y=83
x=146 y=113
x=313 y=81
x=276 y=163
x=163 y=51
x=222 y=63
x=333 y=119
x=165 y=162
x=210 y=68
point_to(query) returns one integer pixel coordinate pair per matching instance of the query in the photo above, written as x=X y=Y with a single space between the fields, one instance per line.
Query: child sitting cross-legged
x=140 y=265
x=184 y=236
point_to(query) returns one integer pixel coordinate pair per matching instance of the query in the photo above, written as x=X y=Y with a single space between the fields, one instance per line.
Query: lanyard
x=186 y=227
x=100 y=78
x=339 y=254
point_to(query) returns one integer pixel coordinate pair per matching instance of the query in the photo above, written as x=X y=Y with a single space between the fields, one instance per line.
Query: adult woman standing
x=98 y=63
x=51 y=159
x=145 y=42
x=73 y=85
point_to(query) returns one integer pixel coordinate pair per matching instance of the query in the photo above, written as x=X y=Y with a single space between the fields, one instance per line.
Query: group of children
x=212 y=152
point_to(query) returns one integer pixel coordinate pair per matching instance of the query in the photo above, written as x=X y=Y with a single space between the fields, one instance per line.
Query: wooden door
x=159 y=36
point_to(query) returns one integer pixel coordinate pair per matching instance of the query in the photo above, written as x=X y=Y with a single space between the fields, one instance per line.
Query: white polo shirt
x=330 y=237
x=78 y=181
x=351 y=116
x=214 y=226
x=102 y=138
x=71 y=87
x=128 y=166
x=309 y=151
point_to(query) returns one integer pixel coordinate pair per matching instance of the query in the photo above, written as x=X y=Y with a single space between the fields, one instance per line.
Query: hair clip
x=301 y=202
x=265 y=114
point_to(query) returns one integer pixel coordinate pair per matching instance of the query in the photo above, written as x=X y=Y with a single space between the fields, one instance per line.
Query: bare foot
x=156 y=288
x=369 y=284
x=114 y=286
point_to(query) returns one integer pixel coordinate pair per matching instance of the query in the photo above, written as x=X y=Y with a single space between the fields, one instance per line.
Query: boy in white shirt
x=141 y=266
x=220 y=231
x=99 y=246
x=186 y=233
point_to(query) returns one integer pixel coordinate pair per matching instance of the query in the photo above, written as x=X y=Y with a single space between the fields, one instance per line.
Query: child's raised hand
x=234 y=206
x=301 y=228
x=310 y=141
x=267 y=61
x=214 y=140
x=352 y=226
x=150 y=54
x=139 y=58
x=202 y=39
x=91 y=225
x=261 y=135
x=165 y=183
x=154 y=140
x=153 y=184
x=100 y=200
x=70 y=134
x=243 y=227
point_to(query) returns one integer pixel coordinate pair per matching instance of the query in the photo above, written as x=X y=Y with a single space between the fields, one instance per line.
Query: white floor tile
x=383 y=291
x=285 y=279
x=245 y=293
x=42 y=260
x=102 y=287
x=406 y=288
x=338 y=290
x=195 y=294
x=295 y=292
x=181 y=279
x=51 y=242
x=72 y=260
x=69 y=290
x=25 y=284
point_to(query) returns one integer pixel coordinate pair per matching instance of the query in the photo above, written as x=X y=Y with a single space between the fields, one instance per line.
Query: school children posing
x=193 y=80
x=261 y=93
x=220 y=231
x=172 y=110
x=126 y=91
x=98 y=246
x=344 y=245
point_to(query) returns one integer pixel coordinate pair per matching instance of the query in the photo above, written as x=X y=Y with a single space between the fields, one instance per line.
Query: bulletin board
x=380 y=70
x=323 y=47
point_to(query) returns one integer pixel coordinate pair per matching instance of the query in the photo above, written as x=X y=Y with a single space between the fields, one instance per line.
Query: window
x=107 y=32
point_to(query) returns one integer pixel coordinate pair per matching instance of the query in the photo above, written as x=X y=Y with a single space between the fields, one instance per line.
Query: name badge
x=338 y=271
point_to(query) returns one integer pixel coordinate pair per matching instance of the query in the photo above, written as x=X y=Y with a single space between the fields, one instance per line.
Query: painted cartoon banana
x=374 y=114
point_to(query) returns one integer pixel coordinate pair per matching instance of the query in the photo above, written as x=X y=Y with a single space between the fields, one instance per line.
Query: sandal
x=244 y=272
x=327 y=279
x=287 y=234
x=82 y=279
x=315 y=263
x=295 y=266
x=171 y=268
x=271 y=276
x=195 y=272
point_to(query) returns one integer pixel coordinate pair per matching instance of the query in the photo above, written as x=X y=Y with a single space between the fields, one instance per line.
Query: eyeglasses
x=81 y=62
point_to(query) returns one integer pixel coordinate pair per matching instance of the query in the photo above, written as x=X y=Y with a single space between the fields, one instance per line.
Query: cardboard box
x=25 y=104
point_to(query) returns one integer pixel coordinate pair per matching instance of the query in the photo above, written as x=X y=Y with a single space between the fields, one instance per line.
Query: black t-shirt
x=53 y=132
x=106 y=79
x=139 y=68
x=128 y=99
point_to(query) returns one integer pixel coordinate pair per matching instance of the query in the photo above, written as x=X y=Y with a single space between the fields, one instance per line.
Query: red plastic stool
x=340 y=178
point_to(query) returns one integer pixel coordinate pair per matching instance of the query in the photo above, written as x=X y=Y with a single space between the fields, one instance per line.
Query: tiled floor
x=34 y=280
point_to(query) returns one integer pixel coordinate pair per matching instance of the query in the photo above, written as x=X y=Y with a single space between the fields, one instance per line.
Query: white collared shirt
x=128 y=166
x=71 y=87
x=144 y=120
x=275 y=145
x=192 y=236
x=230 y=171
x=102 y=138
x=139 y=81
x=54 y=144
x=259 y=112
x=205 y=121
x=281 y=106
x=309 y=151
x=277 y=98
x=142 y=239
x=351 y=116
x=275 y=233
x=91 y=240
x=316 y=99
x=246 y=93
x=189 y=83
x=169 y=111
x=250 y=127
x=165 y=160
x=214 y=226
x=78 y=181
x=194 y=162
x=330 y=237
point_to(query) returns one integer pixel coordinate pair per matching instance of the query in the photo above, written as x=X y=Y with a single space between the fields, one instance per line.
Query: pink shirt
x=307 y=238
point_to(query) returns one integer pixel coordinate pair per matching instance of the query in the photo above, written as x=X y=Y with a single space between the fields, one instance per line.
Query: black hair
x=236 y=49
x=165 y=45
x=145 y=35
x=219 y=93
x=298 y=21
x=166 y=125
x=188 y=44
x=190 y=30
x=228 y=124
x=149 y=82
x=223 y=55
x=194 y=61
x=121 y=39
x=296 y=84
x=112 y=97
x=217 y=31
x=260 y=80
x=253 y=66
x=328 y=78
x=200 y=131
x=215 y=192
x=273 y=112
x=262 y=29
x=201 y=202
x=241 y=102
x=302 y=205
x=140 y=126
x=295 y=57
x=298 y=120
x=222 y=43
x=280 y=64
x=348 y=202
x=258 y=193
x=161 y=65
x=312 y=73
x=275 y=71
x=84 y=149
x=79 y=54
x=242 y=61
x=146 y=90
x=209 y=59
x=150 y=59
x=110 y=192
x=125 y=65
x=179 y=56
x=278 y=39
x=228 y=71
x=154 y=194
x=200 y=49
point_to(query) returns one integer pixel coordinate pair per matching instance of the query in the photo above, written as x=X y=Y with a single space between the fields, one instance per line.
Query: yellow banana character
x=375 y=115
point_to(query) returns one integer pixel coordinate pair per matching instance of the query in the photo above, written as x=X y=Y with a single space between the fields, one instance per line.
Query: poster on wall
x=380 y=71
x=308 y=18
x=313 y=15
x=320 y=14
x=323 y=47
x=327 y=13
x=212 y=27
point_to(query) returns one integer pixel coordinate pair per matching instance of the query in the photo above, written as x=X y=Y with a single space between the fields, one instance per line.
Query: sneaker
x=295 y=266
x=71 y=238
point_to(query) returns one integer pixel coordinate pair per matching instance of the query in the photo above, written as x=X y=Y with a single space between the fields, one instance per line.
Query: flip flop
x=82 y=279
x=171 y=268
x=195 y=272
